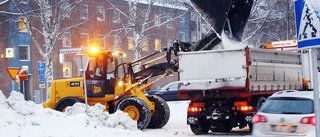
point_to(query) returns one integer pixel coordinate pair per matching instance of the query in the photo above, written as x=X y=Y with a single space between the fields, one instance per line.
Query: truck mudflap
x=193 y=119
x=248 y=117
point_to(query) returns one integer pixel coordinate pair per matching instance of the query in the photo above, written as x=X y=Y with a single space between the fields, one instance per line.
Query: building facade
x=95 y=23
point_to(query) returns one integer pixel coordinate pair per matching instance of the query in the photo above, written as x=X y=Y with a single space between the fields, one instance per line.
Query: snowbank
x=27 y=119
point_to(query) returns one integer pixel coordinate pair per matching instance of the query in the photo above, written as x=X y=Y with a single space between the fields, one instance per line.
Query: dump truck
x=226 y=87
x=111 y=81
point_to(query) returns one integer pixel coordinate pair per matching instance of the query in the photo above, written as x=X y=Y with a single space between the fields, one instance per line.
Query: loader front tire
x=161 y=114
x=137 y=109
x=65 y=102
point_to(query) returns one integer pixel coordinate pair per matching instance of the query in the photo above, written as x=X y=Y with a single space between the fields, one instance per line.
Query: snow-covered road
x=177 y=125
x=20 y=118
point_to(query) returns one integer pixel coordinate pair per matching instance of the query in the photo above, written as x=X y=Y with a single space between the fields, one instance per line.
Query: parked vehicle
x=168 y=92
x=286 y=113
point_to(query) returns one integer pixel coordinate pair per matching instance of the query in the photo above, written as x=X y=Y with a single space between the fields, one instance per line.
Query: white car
x=286 y=113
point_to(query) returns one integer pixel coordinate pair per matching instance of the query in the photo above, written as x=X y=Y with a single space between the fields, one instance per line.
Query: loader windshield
x=106 y=66
x=119 y=60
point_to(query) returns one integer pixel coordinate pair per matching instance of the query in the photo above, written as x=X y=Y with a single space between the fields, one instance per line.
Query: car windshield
x=290 y=105
x=171 y=86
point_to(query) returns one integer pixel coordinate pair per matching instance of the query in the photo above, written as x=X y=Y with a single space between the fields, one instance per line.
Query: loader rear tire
x=161 y=114
x=65 y=102
x=137 y=109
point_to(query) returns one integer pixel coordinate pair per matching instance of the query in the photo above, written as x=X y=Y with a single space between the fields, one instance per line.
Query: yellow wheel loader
x=110 y=80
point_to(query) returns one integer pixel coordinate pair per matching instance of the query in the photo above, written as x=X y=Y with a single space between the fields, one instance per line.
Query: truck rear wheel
x=162 y=112
x=201 y=128
x=137 y=109
x=65 y=102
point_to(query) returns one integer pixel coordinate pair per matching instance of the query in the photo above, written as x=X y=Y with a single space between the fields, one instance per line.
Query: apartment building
x=90 y=23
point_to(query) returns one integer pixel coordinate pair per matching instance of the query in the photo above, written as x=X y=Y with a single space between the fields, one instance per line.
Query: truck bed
x=237 y=72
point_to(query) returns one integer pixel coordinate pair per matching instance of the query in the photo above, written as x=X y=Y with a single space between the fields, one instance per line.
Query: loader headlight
x=94 y=50
x=120 y=83
x=116 y=53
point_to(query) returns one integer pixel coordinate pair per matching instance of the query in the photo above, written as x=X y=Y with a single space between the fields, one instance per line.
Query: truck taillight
x=308 y=120
x=245 y=108
x=194 y=109
x=259 y=118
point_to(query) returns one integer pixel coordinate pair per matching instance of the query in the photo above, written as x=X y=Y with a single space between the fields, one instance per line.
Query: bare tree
x=139 y=21
x=44 y=21
x=269 y=20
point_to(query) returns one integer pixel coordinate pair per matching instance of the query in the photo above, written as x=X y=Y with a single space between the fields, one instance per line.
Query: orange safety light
x=245 y=108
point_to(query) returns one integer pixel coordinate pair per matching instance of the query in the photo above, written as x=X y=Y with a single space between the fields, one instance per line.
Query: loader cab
x=103 y=71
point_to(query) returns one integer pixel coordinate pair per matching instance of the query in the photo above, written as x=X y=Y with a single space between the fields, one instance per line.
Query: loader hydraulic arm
x=150 y=69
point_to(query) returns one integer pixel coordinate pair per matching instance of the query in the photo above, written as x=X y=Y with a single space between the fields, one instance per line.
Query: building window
x=157 y=20
x=26 y=68
x=169 y=22
x=83 y=11
x=157 y=44
x=116 y=16
x=205 y=28
x=67 y=69
x=194 y=16
x=66 y=39
x=66 y=8
x=49 y=11
x=117 y=41
x=194 y=36
x=169 y=42
x=84 y=39
x=181 y=19
x=130 y=43
x=144 y=44
x=24 y=52
x=22 y=24
x=182 y=36
x=101 y=13
x=143 y=16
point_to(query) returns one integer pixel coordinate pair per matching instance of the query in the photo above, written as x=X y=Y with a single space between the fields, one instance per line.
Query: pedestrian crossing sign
x=308 y=23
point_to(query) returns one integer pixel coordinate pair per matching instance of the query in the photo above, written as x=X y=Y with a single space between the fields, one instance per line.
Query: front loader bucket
x=215 y=12
x=222 y=15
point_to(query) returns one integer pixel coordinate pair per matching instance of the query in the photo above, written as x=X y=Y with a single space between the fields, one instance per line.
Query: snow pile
x=27 y=119
x=230 y=43
x=97 y=114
